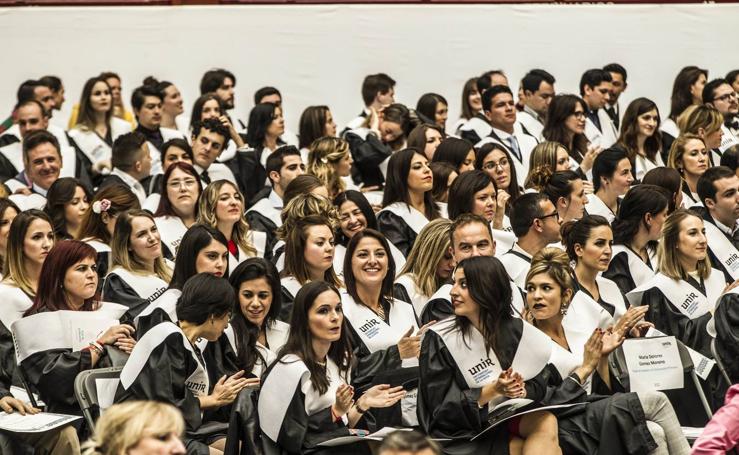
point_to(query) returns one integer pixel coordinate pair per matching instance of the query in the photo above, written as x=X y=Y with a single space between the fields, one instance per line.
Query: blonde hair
x=122 y=426
x=668 y=258
x=207 y=215
x=682 y=119
x=678 y=149
x=431 y=245
x=556 y=264
x=543 y=155
x=304 y=205
x=703 y=117
x=324 y=154
x=121 y=252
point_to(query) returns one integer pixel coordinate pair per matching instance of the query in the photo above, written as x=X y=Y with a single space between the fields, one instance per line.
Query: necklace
x=381 y=312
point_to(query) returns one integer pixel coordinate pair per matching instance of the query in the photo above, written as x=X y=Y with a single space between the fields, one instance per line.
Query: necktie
x=611 y=111
x=514 y=148
x=205 y=177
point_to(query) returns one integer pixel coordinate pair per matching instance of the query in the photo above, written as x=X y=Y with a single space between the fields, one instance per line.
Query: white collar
x=275 y=200
x=502 y=134
x=39 y=190
x=723 y=228
x=517 y=248
x=125 y=176
x=533 y=113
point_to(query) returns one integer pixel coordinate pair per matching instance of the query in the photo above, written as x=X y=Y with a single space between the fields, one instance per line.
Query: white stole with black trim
x=684 y=296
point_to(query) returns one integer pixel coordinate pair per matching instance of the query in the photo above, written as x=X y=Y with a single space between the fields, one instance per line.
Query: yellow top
x=127 y=116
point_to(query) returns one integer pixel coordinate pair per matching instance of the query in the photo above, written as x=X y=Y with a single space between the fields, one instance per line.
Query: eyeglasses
x=555 y=214
x=490 y=165
x=726 y=97
x=579 y=114
x=189 y=183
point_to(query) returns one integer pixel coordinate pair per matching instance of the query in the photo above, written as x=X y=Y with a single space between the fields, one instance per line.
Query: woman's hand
x=588 y=187
x=381 y=396
x=612 y=339
x=410 y=345
x=125 y=344
x=344 y=400
x=593 y=350
x=10 y=404
x=226 y=390
x=632 y=316
x=587 y=161
x=500 y=200
x=116 y=332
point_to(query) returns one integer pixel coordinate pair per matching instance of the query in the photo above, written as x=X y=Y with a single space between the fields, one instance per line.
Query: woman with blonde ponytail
x=329 y=160
x=137 y=428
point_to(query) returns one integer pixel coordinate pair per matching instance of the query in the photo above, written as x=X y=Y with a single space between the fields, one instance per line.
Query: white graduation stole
x=568 y=361
x=375 y=333
x=65 y=329
x=15 y=303
x=99 y=246
x=167 y=302
x=480 y=366
x=444 y=292
x=279 y=387
x=682 y=295
x=291 y=284
x=586 y=314
x=264 y=207
x=479 y=126
x=504 y=241
x=723 y=249
x=171 y=230
x=91 y=145
x=711 y=326
x=610 y=293
x=198 y=382
x=596 y=206
x=149 y=287
x=639 y=270
x=412 y=217
x=516 y=266
x=14 y=153
x=418 y=300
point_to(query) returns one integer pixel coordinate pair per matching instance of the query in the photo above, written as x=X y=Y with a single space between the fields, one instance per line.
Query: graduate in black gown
x=67 y=201
x=306 y=398
x=99 y=222
x=636 y=229
x=309 y=255
x=518 y=365
x=681 y=298
x=407 y=204
x=139 y=274
x=67 y=295
x=178 y=205
x=580 y=347
x=168 y=365
x=725 y=328
x=384 y=332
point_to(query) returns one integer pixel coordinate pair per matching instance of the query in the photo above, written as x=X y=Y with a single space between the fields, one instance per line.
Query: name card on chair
x=653 y=364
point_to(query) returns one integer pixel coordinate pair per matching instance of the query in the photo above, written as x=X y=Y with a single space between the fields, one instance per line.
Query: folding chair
x=86 y=393
x=720 y=363
x=617 y=361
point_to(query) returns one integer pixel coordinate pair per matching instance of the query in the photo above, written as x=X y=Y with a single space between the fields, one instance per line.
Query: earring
x=563 y=310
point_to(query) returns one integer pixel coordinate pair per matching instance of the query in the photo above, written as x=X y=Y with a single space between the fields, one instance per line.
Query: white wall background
x=319 y=54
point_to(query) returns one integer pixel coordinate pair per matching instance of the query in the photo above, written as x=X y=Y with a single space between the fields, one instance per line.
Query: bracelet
x=334 y=417
x=359 y=409
x=97 y=347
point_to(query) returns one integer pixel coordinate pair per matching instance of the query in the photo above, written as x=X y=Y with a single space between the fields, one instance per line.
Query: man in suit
x=718 y=189
x=131 y=160
x=618 y=86
x=721 y=95
x=147 y=107
x=378 y=91
x=538 y=89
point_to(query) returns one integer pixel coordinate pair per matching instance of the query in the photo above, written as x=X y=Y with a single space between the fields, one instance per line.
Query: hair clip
x=101 y=206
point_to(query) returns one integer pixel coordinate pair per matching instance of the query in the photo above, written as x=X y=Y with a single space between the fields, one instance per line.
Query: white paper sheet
x=37 y=423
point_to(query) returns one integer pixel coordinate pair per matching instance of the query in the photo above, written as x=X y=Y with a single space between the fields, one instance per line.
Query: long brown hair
x=630 y=130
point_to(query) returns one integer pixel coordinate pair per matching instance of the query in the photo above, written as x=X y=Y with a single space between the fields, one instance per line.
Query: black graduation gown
x=397 y=231
x=436 y=310
x=619 y=272
x=117 y=290
x=300 y=432
x=249 y=172
x=448 y=408
x=367 y=154
x=726 y=322
x=163 y=378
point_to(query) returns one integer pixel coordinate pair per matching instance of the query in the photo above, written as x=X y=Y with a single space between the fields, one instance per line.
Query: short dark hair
x=214 y=125
x=706 y=188
x=489 y=94
x=213 y=79
x=462 y=192
x=577 y=232
x=26 y=90
x=178 y=142
x=36 y=138
x=616 y=68
x=465 y=219
x=53 y=82
x=205 y=295
x=525 y=210
x=32 y=102
x=730 y=157
x=140 y=93
x=362 y=204
x=533 y=79
x=374 y=84
x=593 y=78
x=277 y=158
x=126 y=148
x=265 y=91
x=197 y=237
x=426 y=106
x=485 y=81
x=709 y=89
x=731 y=76
x=452 y=150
